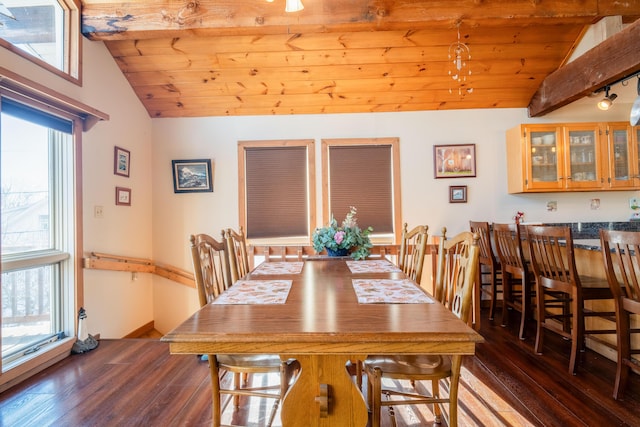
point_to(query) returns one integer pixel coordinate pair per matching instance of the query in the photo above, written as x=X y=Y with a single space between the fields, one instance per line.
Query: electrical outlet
x=634 y=203
x=98 y=211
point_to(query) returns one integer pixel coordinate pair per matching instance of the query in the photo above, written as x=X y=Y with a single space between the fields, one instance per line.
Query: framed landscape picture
x=121 y=161
x=454 y=161
x=192 y=176
x=458 y=194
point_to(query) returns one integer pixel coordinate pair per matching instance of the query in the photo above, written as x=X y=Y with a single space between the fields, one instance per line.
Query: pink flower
x=339 y=237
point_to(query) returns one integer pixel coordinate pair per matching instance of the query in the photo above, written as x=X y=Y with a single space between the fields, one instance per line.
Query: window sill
x=30 y=365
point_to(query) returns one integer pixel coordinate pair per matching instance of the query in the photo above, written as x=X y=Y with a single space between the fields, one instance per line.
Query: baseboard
x=144 y=329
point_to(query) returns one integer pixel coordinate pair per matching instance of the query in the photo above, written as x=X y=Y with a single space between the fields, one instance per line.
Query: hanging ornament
x=459 y=58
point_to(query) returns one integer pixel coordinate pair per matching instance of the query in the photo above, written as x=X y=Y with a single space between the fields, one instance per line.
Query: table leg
x=302 y=403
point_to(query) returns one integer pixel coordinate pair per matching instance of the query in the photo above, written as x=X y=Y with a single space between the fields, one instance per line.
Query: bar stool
x=561 y=292
x=489 y=269
x=621 y=253
x=518 y=282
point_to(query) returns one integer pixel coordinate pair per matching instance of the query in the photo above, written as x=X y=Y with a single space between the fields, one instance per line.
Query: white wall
x=424 y=199
x=115 y=305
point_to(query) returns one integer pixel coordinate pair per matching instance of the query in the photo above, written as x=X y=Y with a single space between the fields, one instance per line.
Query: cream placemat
x=279 y=268
x=389 y=291
x=372 y=266
x=256 y=292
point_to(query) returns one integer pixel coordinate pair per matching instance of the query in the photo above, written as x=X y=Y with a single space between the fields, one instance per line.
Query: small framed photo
x=454 y=161
x=121 y=161
x=458 y=194
x=192 y=176
x=123 y=196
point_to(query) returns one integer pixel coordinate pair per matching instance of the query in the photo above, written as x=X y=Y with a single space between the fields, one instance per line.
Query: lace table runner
x=389 y=291
x=256 y=292
x=279 y=268
x=372 y=266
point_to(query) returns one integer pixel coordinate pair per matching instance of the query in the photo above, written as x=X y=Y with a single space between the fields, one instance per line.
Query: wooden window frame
x=72 y=45
x=309 y=144
x=395 y=165
x=84 y=118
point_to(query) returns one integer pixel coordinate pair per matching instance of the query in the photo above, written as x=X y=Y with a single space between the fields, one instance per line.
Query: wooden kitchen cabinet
x=534 y=154
x=572 y=157
x=622 y=152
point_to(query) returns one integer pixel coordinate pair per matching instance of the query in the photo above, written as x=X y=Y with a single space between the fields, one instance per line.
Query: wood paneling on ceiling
x=249 y=57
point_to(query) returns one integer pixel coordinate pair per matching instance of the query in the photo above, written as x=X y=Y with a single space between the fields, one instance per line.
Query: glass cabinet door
x=583 y=156
x=636 y=171
x=621 y=168
x=544 y=165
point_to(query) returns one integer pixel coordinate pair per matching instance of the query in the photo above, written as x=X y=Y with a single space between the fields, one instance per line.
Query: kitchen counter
x=587 y=244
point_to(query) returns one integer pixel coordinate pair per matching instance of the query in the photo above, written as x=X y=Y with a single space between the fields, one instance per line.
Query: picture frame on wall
x=458 y=194
x=121 y=161
x=192 y=176
x=454 y=161
x=123 y=196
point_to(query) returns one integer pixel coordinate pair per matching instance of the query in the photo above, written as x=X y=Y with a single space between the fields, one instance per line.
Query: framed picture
x=454 y=161
x=123 y=196
x=192 y=176
x=458 y=194
x=121 y=161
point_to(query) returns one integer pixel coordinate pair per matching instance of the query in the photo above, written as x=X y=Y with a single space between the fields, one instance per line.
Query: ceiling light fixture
x=294 y=6
x=607 y=101
x=459 y=58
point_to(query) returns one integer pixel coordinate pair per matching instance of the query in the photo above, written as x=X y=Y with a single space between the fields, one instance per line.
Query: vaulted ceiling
x=247 y=57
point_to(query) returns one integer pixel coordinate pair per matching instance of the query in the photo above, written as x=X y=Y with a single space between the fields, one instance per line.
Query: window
x=277 y=194
x=37 y=221
x=363 y=173
x=41 y=223
x=47 y=32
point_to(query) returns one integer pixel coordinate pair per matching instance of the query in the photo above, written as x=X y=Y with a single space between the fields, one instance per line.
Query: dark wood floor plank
x=137 y=382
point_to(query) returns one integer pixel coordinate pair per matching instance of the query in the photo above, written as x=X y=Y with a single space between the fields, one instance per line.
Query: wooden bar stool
x=561 y=292
x=518 y=282
x=621 y=253
x=489 y=270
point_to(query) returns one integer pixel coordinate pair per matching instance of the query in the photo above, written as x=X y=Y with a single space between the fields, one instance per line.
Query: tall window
x=278 y=190
x=38 y=229
x=363 y=173
x=46 y=32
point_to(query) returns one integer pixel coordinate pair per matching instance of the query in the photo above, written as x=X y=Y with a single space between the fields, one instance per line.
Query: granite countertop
x=586 y=235
x=588 y=244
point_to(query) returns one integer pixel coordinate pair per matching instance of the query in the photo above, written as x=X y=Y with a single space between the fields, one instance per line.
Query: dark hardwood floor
x=136 y=382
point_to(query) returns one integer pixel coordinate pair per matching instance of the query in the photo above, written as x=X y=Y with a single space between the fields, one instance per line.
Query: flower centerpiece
x=348 y=239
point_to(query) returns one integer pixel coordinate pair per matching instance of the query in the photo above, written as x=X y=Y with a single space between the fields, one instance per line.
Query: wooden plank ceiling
x=249 y=57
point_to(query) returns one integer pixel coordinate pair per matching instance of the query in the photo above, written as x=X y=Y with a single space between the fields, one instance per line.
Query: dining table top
x=326 y=313
x=321 y=314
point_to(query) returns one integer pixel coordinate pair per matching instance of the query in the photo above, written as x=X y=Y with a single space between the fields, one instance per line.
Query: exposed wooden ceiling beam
x=615 y=58
x=106 y=20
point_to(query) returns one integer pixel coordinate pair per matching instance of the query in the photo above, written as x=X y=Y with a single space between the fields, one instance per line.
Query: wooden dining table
x=324 y=326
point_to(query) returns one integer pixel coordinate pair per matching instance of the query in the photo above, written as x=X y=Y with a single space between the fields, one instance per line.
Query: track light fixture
x=607 y=101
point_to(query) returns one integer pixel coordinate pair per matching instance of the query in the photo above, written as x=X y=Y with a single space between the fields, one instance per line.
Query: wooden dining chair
x=560 y=292
x=489 y=268
x=238 y=257
x=412 y=250
x=518 y=282
x=621 y=253
x=456 y=273
x=213 y=276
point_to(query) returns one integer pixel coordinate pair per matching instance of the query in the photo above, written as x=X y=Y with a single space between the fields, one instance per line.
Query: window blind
x=276 y=192
x=361 y=176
